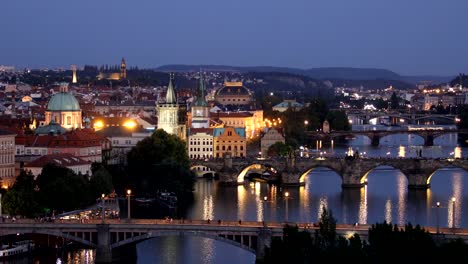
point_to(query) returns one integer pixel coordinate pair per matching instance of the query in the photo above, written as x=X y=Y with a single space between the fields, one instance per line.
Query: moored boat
x=17 y=248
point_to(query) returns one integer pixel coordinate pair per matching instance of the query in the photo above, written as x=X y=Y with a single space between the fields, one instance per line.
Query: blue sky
x=407 y=36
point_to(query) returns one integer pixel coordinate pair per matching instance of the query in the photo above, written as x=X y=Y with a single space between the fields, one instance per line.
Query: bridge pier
x=418 y=182
x=352 y=173
x=103 y=250
x=375 y=140
x=263 y=240
x=429 y=140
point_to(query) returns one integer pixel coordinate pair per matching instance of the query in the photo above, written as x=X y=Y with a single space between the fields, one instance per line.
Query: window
x=229 y=133
x=241 y=147
x=224 y=147
x=69 y=120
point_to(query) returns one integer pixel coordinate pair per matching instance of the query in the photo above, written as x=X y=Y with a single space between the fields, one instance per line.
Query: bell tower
x=168 y=112
x=123 y=69
x=74 y=79
x=200 y=109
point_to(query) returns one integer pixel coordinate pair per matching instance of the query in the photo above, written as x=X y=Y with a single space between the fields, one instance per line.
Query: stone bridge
x=105 y=237
x=353 y=171
x=375 y=135
x=112 y=234
x=411 y=118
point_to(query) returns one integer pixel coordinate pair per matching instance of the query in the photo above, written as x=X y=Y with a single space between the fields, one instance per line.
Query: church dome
x=233 y=89
x=63 y=102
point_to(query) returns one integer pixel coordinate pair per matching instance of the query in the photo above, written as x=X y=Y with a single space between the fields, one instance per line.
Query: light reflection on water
x=385 y=198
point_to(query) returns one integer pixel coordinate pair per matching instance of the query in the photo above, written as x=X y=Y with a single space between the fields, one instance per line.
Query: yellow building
x=251 y=121
x=64 y=109
x=229 y=140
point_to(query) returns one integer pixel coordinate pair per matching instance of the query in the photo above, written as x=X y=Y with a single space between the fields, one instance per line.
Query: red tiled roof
x=63 y=160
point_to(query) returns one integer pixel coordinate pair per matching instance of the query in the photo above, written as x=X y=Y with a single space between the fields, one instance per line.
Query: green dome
x=63 y=102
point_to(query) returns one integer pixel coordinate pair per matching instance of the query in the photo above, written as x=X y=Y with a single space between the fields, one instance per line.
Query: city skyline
x=409 y=38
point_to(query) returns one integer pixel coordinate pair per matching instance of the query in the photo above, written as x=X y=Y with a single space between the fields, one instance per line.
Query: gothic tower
x=74 y=79
x=168 y=118
x=200 y=109
x=123 y=69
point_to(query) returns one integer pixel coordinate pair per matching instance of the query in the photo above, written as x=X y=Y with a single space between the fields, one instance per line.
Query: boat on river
x=167 y=199
x=17 y=248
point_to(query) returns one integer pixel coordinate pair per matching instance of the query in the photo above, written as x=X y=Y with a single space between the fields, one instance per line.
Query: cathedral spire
x=170 y=94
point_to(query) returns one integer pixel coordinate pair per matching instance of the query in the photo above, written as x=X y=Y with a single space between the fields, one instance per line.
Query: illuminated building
x=123 y=69
x=7 y=158
x=168 y=114
x=271 y=136
x=115 y=76
x=200 y=138
x=200 y=113
x=74 y=79
x=252 y=121
x=200 y=143
x=229 y=140
x=64 y=110
x=233 y=93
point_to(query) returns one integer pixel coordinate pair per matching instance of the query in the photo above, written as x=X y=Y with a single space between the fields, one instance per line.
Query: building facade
x=233 y=93
x=200 y=143
x=269 y=138
x=7 y=158
x=229 y=140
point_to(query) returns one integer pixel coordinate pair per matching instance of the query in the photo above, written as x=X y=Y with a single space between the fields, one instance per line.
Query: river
x=385 y=198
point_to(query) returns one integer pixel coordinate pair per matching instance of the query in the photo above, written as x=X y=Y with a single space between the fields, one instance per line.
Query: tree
x=394 y=101
x=21 y=198
x=100 y=182
x=338 y=120
x=279 y=149
x=325 y=236
x=160 y=162
x=61 y=189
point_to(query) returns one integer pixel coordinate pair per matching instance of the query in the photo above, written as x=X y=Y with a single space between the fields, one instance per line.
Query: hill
x=327 y=73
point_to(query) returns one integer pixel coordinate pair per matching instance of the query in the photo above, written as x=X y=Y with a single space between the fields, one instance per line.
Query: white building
x=7 y=158
x=200 y=143
x=67 y=160
x=122 y=140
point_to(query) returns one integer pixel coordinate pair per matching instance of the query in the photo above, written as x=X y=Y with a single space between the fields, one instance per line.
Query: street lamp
x=453 y=212
x=129 y=193
x=286 y=196
x=437 y=219
x=103 y=210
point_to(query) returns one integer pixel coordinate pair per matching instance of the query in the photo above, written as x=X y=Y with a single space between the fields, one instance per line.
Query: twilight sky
x=407 y=36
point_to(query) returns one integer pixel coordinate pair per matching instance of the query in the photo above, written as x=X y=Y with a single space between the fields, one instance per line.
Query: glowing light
x=98 y=124
x=130 y=124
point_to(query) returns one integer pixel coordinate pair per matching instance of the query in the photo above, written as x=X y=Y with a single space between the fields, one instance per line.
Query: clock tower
x=200 y=109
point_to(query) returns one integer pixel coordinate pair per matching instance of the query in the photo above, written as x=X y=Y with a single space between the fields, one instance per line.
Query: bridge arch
x=363 y=179
x=57 y=234
x=429 y=178
x=150 y=235
x=202 y=170
x=259 y=167
x=304 y=174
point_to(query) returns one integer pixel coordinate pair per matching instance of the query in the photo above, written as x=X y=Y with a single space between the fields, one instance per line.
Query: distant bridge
x=353 y=171
x=375 y=135
x=395 y=117
x=112 y=234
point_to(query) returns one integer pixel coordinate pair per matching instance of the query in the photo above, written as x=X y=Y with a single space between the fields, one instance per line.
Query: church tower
x=74 y=79
x=168 y=112
x=123 y=69
x=200 y=109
